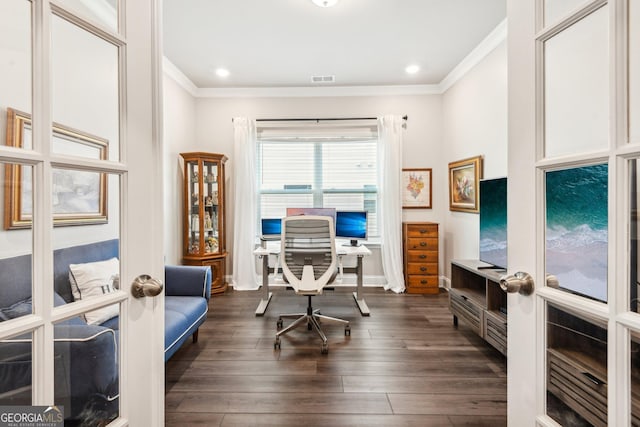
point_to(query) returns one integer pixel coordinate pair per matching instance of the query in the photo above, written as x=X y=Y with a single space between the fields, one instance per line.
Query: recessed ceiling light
x=412 y=69
x=222 y=72
x=325 y=3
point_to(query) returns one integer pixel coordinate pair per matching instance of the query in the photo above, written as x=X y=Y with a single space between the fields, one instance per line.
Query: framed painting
x=464 y=178
x=416 y=188
x=79 y=197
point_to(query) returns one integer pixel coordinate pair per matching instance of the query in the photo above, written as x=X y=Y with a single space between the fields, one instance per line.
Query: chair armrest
x=187 y=280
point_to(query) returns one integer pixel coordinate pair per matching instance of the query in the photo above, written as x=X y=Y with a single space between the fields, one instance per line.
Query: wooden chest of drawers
x=420 y=243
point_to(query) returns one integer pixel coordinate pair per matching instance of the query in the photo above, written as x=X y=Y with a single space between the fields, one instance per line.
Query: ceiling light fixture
x=412 y=69
x=325 y=3
x=222 y=72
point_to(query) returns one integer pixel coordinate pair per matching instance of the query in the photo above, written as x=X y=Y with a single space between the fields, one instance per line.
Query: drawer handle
x=592 y=378
x=422 y=231
x=423 y=243
x=423 y=282
x=423 y=256
x=423 y=268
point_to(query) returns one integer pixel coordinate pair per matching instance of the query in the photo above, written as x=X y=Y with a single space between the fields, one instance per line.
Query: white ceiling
x=282 y=43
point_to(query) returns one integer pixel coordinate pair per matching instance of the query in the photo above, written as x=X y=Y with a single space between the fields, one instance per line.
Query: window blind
x=318 y=167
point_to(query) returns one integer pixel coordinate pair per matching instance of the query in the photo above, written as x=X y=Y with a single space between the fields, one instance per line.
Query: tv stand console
x=476 y=298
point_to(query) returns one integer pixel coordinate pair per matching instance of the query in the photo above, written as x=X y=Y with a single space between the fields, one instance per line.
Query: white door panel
x=572 y=210
x=88 y=139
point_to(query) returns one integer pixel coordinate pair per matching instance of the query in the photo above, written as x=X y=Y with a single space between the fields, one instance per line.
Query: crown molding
x=325 y=91
x=179 y=77
x=486 y=46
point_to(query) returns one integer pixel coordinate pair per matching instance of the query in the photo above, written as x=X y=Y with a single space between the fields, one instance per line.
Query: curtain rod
x=323 y=119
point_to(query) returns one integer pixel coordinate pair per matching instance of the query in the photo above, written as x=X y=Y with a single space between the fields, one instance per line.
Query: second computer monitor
x=351 y=225
x=313 y=211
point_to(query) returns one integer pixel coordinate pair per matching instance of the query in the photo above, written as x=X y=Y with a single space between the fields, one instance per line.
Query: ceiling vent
x=323 y=79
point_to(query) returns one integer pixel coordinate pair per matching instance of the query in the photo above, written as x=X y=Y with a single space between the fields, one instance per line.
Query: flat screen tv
x=493 y=223
x=351 y=225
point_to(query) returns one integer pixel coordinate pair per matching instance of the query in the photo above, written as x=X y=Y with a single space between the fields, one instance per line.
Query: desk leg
x=266 y=295
x=358 y=294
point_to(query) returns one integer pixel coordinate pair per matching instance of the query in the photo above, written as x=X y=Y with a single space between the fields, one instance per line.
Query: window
x=328 y=172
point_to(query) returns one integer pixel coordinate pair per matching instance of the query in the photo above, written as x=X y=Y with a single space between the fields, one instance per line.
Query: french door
x=80 y=105
x=574 y=148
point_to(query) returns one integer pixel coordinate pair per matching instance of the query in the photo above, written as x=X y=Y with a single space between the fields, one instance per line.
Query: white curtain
x=244 y=222
x=390 y=205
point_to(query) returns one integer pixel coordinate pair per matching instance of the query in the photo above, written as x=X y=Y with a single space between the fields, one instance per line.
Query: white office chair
x=309 y=263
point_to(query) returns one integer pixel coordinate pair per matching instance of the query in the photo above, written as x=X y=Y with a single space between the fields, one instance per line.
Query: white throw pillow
x=93 y=279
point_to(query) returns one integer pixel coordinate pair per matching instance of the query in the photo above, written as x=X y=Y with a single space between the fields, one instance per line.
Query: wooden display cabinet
x=204 y=222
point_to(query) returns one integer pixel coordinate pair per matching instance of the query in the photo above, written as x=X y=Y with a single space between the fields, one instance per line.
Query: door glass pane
x=576 y=369
x=86 y=242
x=576 y=230
x=576 y=87
x=86 y=365
x=635 y=378
x=15 y=59
x=634 y=235
x=16 y=241
x=634 y=71
x=554 y=10
x=104 y=12
x=84 y=64
x=16 y=354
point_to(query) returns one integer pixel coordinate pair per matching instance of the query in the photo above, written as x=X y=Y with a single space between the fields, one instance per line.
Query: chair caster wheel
x=276 y=344
x=347 y=331
x=279 y=324
x=325 y=349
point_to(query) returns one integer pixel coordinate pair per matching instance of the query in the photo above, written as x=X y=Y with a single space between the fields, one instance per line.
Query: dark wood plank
x=334 y=420
x=291 y=403
x=415 y=385
x=448 y=404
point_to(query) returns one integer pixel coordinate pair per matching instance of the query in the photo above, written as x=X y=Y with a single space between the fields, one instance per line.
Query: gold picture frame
x=464 y=178
x=79 y=197
x=416 y=188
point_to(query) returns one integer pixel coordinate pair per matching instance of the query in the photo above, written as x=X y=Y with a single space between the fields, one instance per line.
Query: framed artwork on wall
x=79 y=197
x=464 y=178
x=416 y=188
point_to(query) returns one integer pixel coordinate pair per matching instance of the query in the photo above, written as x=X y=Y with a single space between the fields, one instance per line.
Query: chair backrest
x=308 y=252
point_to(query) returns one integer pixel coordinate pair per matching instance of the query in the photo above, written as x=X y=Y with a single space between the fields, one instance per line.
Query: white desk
x=273 y=248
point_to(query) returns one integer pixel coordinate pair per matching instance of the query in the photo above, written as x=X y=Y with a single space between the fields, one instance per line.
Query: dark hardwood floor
x=405 y=365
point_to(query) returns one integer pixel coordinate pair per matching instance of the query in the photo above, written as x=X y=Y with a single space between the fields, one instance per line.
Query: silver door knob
x=519 y=282
x=146 y=286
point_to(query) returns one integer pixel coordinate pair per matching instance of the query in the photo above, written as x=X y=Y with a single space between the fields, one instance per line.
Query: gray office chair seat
x=309 y=263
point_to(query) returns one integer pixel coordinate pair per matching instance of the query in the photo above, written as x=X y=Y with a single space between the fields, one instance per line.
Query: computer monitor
x=351 y=225
x=271 y=228
x=313 y=211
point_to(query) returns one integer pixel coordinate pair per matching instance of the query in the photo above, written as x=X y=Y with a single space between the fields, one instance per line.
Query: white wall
x=214 y=133
x=179 y=136
x=475 y=123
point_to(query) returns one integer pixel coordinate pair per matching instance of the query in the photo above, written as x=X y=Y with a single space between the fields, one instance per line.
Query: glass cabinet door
x=210 y=193
x=193 y=188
